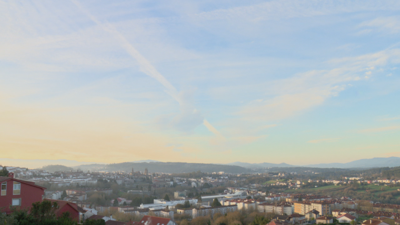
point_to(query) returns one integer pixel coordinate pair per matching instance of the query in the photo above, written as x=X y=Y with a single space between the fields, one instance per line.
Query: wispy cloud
x=379 y=129
x=323 y=140
x=303 y=91
x=389 y=118
x=386 y=24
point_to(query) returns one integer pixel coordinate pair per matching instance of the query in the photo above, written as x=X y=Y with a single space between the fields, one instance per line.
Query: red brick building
x=64 y=206
x=18 y=193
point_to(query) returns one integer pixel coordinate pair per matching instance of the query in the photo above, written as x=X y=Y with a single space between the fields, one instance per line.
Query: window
x=16 y=202
x=17 y=188
x=4 y=188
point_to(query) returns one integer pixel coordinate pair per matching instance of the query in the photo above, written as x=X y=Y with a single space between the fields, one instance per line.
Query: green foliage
x=186 y=204
x=166 y=197
x=138 y=199
x=56 y=168
x=215 y=203
x=94 y=222
x=44 y=210
x=260 y=220
x=4 y=172
x=115 y=202
x=64 y=194
x=206 y=185
x=42 y=213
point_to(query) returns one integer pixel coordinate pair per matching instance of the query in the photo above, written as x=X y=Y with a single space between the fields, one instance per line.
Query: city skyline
x=297 y=82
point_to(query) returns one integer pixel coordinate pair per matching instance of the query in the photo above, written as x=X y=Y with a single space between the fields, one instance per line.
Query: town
x=275 y=198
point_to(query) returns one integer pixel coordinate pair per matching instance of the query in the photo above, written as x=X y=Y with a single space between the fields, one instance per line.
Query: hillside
x=164 y=167
x=363 y=163
x=259 y=165
x=56 y=168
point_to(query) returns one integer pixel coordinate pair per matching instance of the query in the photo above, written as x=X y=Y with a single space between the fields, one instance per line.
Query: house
x=98 y=217
x=64 y=206
x=18 y=193
x=210 y=211
x=336 y=213
x=312 y=215
x=153 y=220
x=276 y=222
x=345 y=218
x=297 y=218
x=324 y=220
x=111 y=222
x=374 y=222
x=89 y=212
x=185 y=211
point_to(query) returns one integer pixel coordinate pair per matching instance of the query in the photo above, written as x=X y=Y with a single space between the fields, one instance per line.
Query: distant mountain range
x=259 y=165
x=361 y=163
x=178 y=167
x=166 y=167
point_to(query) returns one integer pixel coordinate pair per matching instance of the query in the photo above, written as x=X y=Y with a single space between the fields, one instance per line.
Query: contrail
x=144 y=65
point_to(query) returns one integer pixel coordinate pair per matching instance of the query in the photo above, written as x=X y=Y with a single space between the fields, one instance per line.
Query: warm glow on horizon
x=299 y=82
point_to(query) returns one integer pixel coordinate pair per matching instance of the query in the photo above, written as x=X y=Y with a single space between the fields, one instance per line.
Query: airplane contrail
x=144 y=64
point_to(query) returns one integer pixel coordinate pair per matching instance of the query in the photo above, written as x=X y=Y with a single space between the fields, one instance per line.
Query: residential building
x=18 y=193
x=312 y=215
x=64 y=206
x=276 y=222
x=345 y=218
x=374 y=222
x=153 y=220
x=210 y=211
x=324 y=220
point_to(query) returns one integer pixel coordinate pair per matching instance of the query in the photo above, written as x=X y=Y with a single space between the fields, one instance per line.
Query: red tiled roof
x=324 y=218
x=153 y=220
x=95 y=217
x=61 y=204
x=347 y=215
x=21 y=181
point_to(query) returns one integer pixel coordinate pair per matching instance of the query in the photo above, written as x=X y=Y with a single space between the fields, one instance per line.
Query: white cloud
x=387 y=24
x=303 y=91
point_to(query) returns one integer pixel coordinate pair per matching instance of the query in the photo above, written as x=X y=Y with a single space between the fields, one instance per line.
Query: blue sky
x=300 y=82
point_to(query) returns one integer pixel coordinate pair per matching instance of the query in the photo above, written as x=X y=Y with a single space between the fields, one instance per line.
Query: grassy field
x=375 y=189
x=314 y=189
x=273 y=181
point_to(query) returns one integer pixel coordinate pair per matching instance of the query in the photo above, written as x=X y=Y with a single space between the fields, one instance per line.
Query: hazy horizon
x=296 y=82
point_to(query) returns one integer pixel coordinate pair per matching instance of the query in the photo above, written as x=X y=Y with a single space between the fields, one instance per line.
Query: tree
x=4 y=172
x=179 y=206
x=41 y=213
x=184 y=222
x=115 y=202
x=186 y=204
x=260 y=220
x=215 y=203
x=166 y=197
x=44 y=210
x=353 y=222
x=94 y=222
x=300 y=199
x=63 y=195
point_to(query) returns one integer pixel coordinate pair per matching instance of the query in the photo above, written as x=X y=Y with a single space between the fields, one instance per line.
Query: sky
x=294 y=81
